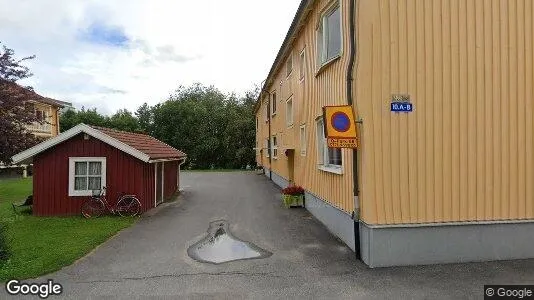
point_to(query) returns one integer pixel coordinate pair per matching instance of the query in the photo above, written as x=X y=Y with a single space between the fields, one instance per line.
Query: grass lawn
x=40 y=245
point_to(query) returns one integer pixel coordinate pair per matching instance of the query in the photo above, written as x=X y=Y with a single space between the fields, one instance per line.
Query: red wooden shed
x=68 y=167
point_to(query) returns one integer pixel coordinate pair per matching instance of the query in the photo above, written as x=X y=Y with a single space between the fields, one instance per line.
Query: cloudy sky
x=121 y=53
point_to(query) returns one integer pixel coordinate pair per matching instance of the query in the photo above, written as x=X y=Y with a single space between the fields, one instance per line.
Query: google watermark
x=509 y=292
x=42 y=290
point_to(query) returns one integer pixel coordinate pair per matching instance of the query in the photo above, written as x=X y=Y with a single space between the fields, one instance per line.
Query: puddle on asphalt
x=220 y=246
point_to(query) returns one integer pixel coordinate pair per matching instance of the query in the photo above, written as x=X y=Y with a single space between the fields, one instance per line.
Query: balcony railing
x=41 y=128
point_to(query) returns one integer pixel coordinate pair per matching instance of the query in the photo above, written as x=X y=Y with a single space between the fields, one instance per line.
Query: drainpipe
x=350 y=100
x=181 y=163
x=269 y=138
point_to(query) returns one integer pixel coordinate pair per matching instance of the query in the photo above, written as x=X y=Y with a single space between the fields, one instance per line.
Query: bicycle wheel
x=128 y=206
x=92 y=208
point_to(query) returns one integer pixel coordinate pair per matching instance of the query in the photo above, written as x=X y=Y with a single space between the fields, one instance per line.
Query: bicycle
x=127 y=205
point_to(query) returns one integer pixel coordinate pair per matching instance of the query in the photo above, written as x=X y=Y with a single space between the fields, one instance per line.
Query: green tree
x=124 y=120
x=71 y=118
x=145 y=118
x=68 y=119
x=214 y=129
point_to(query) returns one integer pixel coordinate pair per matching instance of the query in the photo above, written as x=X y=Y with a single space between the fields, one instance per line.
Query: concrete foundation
x=338 y=222
x=383 y=246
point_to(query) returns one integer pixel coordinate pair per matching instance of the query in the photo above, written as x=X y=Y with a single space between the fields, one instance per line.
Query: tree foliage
x=12 y=69
x=15 y=114
x=121 y=120
x=214 y=129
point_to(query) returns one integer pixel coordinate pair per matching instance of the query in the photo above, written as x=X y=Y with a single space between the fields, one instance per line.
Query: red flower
x=293 y=190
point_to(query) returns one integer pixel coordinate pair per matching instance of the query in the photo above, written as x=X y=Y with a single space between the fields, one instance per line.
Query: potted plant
x=293 y=196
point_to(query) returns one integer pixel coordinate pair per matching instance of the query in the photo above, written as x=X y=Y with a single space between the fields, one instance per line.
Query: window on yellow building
x=289 y=65
x=267 y=148
x=328 y=159
x=329 y=35
x=303 y=140
x=275 y=147
x=289 y=112
x=302 y=65
x=40 y=114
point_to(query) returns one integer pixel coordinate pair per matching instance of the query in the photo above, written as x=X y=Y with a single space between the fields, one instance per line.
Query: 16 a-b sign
x=340 y=127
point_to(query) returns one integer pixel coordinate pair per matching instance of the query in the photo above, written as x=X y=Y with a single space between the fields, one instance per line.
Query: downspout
x=269 y=138
x=350 y=100
x=181 y=163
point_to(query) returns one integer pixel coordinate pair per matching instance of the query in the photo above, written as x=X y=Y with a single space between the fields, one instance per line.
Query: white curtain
x=95 y=168
x=80 y=168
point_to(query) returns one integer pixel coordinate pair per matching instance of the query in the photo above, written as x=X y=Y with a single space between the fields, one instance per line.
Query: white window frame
x=273 y=103
x=290 y=116
x=302 y=64
x=321 y=34
x=289 y=65
x=323 y=162
x=72 y=162
x=274 y=145
x=267 y=146
x=303 y=140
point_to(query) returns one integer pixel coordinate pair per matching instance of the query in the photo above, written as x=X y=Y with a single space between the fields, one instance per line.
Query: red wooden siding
x=171 y=179
x=125 y=174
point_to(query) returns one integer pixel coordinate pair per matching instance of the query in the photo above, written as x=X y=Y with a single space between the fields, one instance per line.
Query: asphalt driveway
x=150 y=258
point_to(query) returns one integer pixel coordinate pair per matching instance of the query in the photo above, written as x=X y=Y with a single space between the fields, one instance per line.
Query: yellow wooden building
x=46 y=110
x=450 y=181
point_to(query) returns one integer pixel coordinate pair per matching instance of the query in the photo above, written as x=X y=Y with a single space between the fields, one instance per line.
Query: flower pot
x=293 y=200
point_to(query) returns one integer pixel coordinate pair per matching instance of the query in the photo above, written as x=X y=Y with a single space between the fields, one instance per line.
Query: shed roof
x=141 y=146
x=147 y=144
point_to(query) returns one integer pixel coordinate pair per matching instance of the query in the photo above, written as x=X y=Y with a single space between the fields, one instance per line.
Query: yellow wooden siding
x=309 y=96
x=51 y=119
x=466 y=151
x=54 y=120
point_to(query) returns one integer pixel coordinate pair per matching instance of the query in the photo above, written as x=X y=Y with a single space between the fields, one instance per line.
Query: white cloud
x=228 y=44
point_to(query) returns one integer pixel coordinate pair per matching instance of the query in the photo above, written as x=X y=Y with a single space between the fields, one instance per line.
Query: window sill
x=326 y=64
x=335 y=170
x=80 y=193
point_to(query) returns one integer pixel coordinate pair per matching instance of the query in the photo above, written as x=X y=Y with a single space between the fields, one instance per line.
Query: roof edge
x=304 y=4
x=31 y=152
